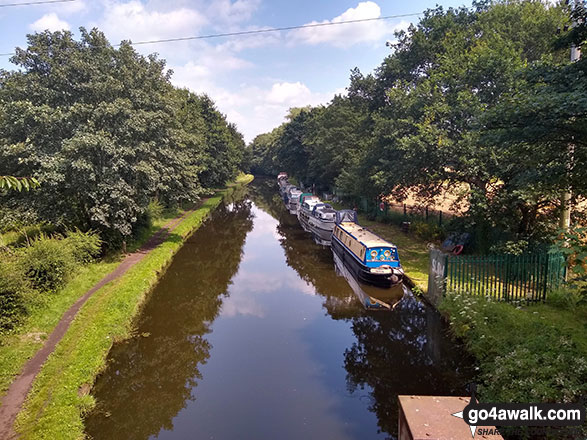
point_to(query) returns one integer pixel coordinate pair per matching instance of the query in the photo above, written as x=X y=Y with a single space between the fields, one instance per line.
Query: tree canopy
x=104 y=133
x=483 y=98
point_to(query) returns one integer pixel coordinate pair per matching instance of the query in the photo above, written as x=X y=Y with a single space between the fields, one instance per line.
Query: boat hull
x=303 y=217
x=362 y=272
x=321 y=230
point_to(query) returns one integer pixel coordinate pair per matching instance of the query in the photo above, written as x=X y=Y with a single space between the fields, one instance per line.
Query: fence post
x=546 y=274
x=437 y=273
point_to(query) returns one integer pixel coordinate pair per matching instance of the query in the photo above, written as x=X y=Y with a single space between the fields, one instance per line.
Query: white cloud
x=227 y=11
x=49 y=22
x=76 y=7
x=348 y=34
x=135 y=21
x=253 y=109
x=292 y=93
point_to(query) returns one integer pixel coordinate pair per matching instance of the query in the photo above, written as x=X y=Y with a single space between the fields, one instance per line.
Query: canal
x=252 y=333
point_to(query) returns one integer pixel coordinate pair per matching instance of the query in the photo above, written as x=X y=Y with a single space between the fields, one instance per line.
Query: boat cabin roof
x=365 y=236
x=311 y=202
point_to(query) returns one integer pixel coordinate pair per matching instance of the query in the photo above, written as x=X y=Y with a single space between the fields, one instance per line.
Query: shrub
x=84 y=246
x=154 y=210
x=427 y=231
x=13 y=286
x=47 y=263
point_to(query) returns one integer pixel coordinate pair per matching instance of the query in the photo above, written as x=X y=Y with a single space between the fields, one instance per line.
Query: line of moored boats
x=370 y=258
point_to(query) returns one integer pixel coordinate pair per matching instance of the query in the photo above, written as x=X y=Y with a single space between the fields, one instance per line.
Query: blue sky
x=253 y=79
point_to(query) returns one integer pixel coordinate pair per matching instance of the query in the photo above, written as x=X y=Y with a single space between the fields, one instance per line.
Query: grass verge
x=536 y=353
x=60 y=395
x=45 y=310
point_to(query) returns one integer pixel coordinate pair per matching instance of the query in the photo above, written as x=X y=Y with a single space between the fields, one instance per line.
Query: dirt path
x=20 y=387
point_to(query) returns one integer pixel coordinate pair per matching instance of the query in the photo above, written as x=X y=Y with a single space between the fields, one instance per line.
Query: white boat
x=292 y=199
x=307 y=203
x=321 y=223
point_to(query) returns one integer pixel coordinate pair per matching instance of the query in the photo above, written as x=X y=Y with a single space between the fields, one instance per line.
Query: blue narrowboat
x=370 y=258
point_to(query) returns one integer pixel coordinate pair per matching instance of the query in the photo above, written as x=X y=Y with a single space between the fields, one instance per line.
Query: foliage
x=522 y=356
x=155 y=210
x=427 y=231
x=573 y=244
x=84 y=246
x=512 y=247
x=18 y=183
x=13 y=287
x=47 y=263
x=479 y=98
x=104 y=132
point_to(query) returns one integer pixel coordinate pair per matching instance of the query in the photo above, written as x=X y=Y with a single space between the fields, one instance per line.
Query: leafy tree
x=104 y=132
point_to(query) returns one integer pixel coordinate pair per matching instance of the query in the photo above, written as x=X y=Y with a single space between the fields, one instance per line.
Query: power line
x=42 y=2
x=260 y=31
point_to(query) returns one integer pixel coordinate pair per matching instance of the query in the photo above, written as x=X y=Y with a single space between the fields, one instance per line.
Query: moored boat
x=321 y=223
x=282 y=180
x=307 y=203
x=292 y=199
x=370 y=258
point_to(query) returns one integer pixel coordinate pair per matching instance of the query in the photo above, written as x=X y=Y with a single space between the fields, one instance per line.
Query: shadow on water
x=150 y=377
x=233 y=343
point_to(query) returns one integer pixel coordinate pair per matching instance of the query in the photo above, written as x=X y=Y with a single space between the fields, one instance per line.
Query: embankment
x=60 y=397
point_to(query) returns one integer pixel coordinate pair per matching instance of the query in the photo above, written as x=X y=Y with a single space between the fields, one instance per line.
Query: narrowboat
x=307 y=203
x=321 y=223
x=370 y=258
x=292 y=199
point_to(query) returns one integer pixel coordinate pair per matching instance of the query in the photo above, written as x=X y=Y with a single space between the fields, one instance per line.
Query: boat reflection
x=372 y=298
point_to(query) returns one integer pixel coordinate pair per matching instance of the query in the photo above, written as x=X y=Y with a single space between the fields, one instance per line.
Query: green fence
x=505 y=277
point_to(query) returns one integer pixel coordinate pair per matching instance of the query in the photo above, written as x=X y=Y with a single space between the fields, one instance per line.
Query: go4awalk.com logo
x=520 y=414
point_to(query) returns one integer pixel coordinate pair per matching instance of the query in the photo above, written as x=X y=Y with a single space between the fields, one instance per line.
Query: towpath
x=20 y=387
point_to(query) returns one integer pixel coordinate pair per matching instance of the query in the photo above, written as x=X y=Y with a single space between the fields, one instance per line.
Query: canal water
x=252 y=333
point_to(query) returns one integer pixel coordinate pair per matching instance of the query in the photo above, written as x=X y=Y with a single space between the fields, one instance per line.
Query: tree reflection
x=404 y=352
x=313 y=263
x=150 y=378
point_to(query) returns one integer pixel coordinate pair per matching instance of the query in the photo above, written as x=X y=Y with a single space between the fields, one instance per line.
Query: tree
x=104 y=132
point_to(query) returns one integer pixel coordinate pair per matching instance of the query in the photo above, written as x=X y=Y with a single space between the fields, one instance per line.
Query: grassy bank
x=60 y=395
x=526 y=354
x=45 y=310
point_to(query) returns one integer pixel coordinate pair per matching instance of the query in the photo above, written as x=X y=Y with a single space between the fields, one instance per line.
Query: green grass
x=59 y=398
x=45 y=312
x=412 y=250
x=536 y=353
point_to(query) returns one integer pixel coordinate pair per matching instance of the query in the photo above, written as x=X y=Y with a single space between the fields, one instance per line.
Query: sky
x=254 y=80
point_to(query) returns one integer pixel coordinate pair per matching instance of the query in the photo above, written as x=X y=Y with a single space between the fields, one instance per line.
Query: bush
x=154 y=210
x=13 y=286
x=84 y=246
x=47 y=263
x=427 y=231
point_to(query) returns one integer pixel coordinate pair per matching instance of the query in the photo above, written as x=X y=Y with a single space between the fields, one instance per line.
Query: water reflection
x=404 y=350
x=149 y=378
x=260 y=338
